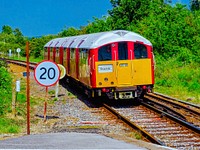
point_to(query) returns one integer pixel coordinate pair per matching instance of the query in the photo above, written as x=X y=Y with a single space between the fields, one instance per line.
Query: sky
x=43 y=17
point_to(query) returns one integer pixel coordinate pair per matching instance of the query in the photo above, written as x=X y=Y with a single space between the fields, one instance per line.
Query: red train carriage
x=118 y=64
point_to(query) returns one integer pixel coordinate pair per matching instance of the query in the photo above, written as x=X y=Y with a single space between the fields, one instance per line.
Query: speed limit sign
x=47 y=73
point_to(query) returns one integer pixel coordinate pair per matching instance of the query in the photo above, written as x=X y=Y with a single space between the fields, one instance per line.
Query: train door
x=141 y=65
x=124 y=67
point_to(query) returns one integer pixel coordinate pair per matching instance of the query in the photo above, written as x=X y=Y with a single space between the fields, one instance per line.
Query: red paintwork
x=130 y=47
x=61 y=55
x=77 y=63
x=54 y=54
x=68 y=60
x=152 y=64
x=92 y=58
x=114 y=51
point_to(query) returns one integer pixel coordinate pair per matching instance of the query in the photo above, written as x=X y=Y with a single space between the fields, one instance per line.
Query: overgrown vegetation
x=173 y=29
x=5 y=88
x=7 y=125
x=178 y=79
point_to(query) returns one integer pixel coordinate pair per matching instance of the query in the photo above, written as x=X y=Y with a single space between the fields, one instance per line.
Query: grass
x=178 y=79
x=8 y=125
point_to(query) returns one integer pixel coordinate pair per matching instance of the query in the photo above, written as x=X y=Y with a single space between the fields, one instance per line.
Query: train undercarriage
x=114 y=93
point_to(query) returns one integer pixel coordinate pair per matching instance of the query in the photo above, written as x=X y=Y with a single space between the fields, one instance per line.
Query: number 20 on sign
x=47 y=73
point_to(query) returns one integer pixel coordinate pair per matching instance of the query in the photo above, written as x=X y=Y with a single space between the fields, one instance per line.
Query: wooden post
x=28 y=88
x=13 y=102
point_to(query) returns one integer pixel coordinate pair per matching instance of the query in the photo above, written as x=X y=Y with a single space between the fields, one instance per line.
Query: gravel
x=73 y=113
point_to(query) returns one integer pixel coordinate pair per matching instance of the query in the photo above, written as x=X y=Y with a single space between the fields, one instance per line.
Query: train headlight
x=105 y=79
x=100 y=83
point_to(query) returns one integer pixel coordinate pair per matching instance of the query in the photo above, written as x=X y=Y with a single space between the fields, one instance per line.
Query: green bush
x=6 y=90
x=177 y=78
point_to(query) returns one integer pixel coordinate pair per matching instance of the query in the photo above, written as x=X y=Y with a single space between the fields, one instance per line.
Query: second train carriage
x=118 y=64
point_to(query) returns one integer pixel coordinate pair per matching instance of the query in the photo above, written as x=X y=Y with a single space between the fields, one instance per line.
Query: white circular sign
x=47 y=73
x=18 y=50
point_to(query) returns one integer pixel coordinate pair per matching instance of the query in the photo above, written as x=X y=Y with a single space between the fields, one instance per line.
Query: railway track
x=187 y=111
x=158 y=125
x=22 y=63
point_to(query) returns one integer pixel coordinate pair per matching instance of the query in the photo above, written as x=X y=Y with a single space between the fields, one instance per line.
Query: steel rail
x=165 y=108
x=22 y=63
x=176 y=104
x=175 y=99
x=180 y=121
x=133 y=125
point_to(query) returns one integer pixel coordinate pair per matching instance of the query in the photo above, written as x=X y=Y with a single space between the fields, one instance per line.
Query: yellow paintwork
x=110 y=75
x=124 y=73
x=142 y=73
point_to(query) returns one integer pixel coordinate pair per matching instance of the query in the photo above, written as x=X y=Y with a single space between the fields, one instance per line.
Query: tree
x=98 y=25
x=125 y=12
x=19 y=37
x=69 y=32
x=195 y=5
x=7 y=29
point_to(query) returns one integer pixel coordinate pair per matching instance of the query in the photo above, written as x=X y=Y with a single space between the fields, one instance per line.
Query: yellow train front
x=118 y=64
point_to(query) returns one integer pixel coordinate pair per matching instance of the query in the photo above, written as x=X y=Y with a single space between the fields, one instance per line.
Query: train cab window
x=122 y=51
x=105 y=53
x=140 y=51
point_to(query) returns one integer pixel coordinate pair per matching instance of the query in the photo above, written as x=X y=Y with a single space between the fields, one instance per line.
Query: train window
x=122 y=51
x=72 y=54
x=83 y=62
x=140 y=51
x=105 y=53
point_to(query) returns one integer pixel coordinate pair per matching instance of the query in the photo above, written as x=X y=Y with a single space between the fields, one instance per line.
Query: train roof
x=95 y=40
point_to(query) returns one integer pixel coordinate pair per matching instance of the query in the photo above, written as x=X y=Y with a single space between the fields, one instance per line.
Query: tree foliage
x=127 y=12
x=173 y=29
x=5 y=88
x=11 y=39
x=195 y=5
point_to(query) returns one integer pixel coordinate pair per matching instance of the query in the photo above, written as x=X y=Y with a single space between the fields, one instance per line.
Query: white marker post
x=10 y=53
x=47 y=73
x=14 y=99
x=18 y=51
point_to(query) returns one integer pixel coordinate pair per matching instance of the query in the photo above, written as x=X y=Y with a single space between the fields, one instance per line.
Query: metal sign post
x=45 y=105
x=47 y=73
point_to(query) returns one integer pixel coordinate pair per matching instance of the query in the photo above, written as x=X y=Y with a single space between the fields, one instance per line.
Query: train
x=117 y=64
